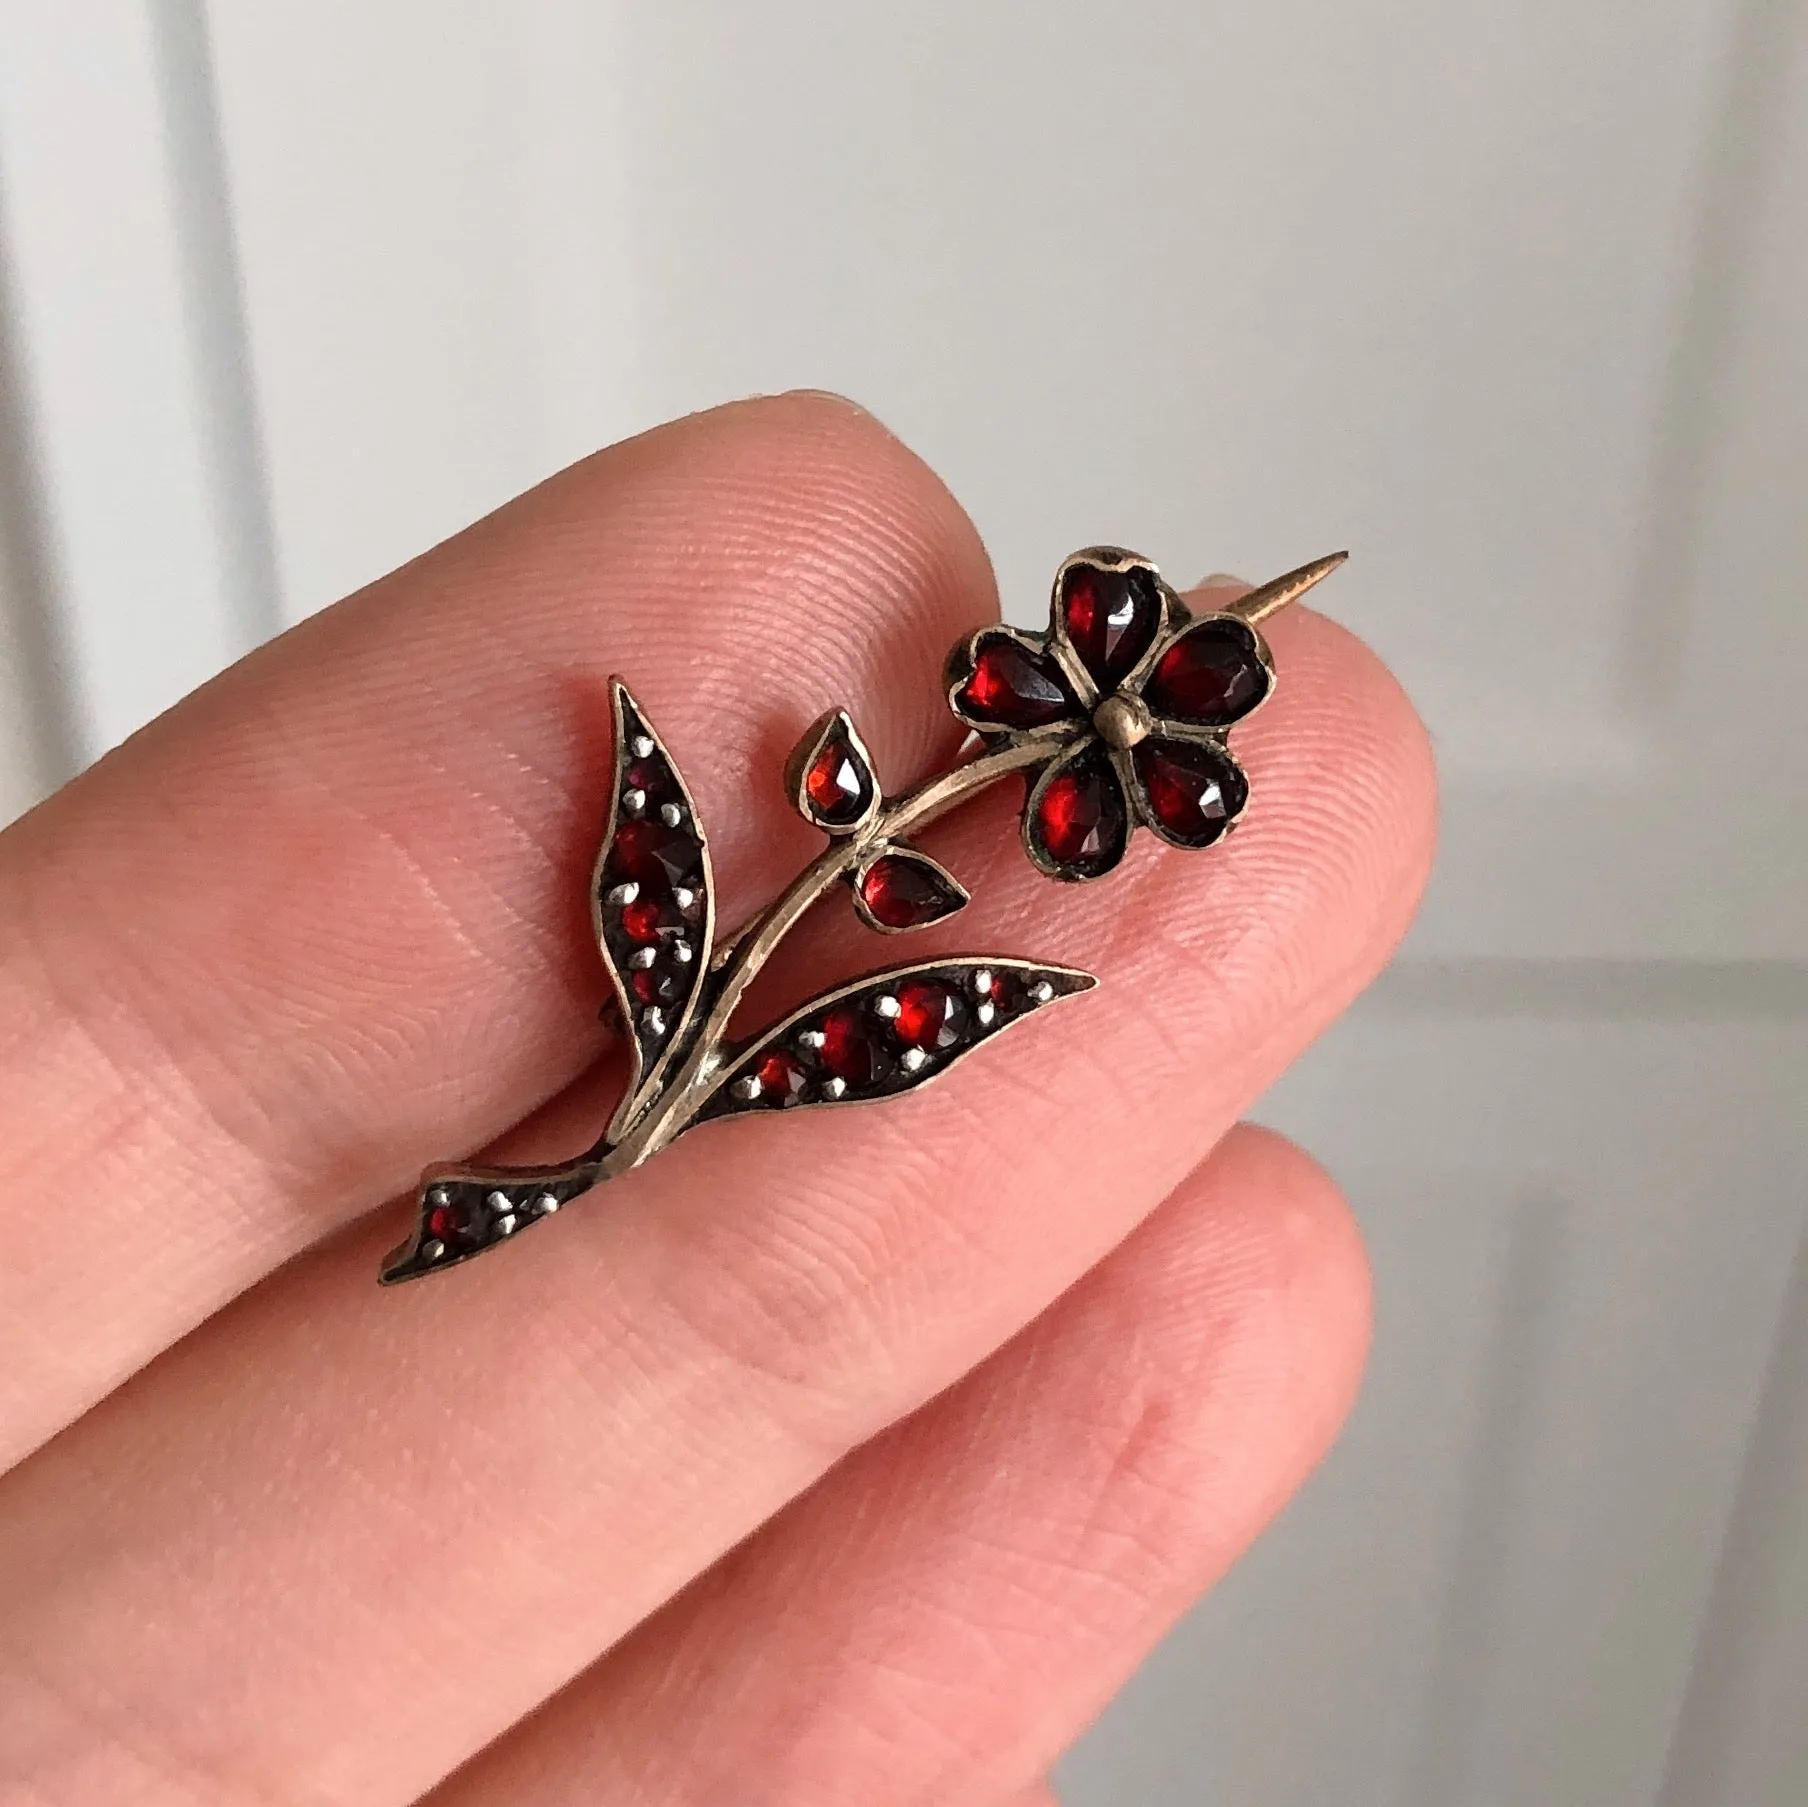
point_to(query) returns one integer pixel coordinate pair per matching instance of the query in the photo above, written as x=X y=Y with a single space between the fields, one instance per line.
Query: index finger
x=321 y=923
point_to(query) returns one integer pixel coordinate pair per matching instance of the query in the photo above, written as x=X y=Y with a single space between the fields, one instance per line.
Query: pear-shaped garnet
x=1211 y=675
x=1013 y=687
x=1112 y=618
x=903 y=890
x=1078 y=820
x=931 y=1016
x=852 y=1048
x=837 y=784
x=1194 y=792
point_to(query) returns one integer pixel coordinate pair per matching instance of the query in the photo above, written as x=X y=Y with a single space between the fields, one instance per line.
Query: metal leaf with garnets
x=652 y=902
x=887 y=1033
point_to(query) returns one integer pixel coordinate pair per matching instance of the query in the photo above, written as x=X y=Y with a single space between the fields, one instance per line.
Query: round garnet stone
x=1193 y=791
x=782 y=1078
x=851 y=1048
x=837 y=783
x=930 y=1016
x=653 y=985
x=648 y=915
x=1210 y=675
x=904 y=892
x=652 y=776
x=1080 y=820
x=1112 y=618
x=650 y=854
x=1014 y=687
x=443 y=1222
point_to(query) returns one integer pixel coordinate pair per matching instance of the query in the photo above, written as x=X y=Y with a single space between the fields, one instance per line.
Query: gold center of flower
x=1122 y=721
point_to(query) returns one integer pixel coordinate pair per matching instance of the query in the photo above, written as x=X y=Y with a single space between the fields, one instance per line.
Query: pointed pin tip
x=1273 y=596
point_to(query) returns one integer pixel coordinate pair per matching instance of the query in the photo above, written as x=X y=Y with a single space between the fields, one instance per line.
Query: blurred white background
x=1509 y=299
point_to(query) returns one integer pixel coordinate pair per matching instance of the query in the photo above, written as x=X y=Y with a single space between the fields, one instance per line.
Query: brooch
x=1118 y=715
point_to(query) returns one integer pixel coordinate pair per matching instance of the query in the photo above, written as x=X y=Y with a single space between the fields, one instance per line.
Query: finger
x=486 y=1480
x=947 y=1609
x=325 y=921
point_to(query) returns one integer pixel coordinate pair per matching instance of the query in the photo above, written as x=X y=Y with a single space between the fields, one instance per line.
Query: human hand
x=850 y=1457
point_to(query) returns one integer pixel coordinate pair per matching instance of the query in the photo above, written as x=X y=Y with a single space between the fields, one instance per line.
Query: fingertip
x=1323 y=1296
x=1250 y=1288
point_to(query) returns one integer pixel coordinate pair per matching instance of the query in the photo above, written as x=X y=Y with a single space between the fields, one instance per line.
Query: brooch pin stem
x=1118 y=715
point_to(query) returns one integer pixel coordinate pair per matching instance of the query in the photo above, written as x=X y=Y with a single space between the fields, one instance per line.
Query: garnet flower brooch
x=1117 y=715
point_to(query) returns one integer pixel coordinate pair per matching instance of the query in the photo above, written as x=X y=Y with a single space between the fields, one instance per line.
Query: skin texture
x=272 y=1535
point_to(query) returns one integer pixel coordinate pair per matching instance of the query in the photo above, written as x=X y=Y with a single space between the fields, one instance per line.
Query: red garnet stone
x=649 y=853
x=1112 y=618
x=1014 y=687
x=1210 y=675
x=836 y=783
x=904 y=893
x=782 y=1078
x=653 y=985
x=1080 y=817
x=851 y=1049
x=930 y=1016
x=643 y=919
x=1193 y=791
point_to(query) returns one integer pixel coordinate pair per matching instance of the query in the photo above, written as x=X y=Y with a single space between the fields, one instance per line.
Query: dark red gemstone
x=653 y=985
x=651 y=776
x=851 y=1047
x=644 y=919
x=1112 y=619
x=1194 y=792
x=1080 y=819
x=1210 y=675
x=782 y=1078
x=930 y=1016
x=1007 y=992
x=648 y=853
x=838 y=784
x=903 y=891
x=1013 y=687
x=442 y=1222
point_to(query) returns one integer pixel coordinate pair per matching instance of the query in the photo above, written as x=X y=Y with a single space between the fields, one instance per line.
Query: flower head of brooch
x=1118 y=717
x=1131 y=695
